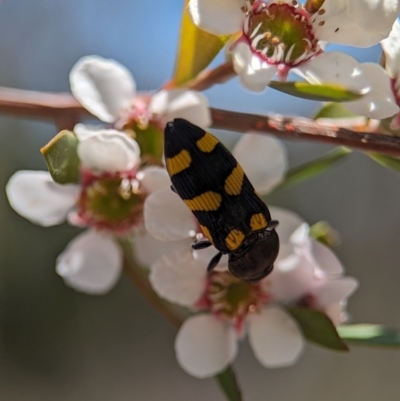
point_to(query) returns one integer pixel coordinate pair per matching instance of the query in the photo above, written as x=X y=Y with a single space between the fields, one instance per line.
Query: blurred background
x=59 y=345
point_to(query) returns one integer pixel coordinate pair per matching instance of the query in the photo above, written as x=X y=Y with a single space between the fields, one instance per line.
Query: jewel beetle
x=214 y=186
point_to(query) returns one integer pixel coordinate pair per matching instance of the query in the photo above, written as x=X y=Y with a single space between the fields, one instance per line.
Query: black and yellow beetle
x=215 y=188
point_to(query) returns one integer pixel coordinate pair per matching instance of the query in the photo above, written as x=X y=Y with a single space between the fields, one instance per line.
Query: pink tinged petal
x=220 y=17
x=263 y=159
x=153 y=178
x=35 y=196
x=84 y=131
x=167 y=218
x=337 y=313
x=335 y=68
x=391 y=47
x=301 y=235
x=109 y=151
x=102 y=86
x=91 y=263
x=335 y=291
x=292 y=277
x=255 y=74
x=379 y=102
x=325 y=258
x=288 y=222
x=275 y=338
x=181 y=103
x=205 y=346
x=178 y=278
x=147 y=249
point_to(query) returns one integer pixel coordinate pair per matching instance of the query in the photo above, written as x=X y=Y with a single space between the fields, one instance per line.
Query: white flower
x=308 y=275
x=108 y=198
x=264 y=50
x=108 y=90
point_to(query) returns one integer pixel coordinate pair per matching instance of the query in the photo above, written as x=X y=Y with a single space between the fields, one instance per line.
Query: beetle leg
x=214 y=261
x=172 y=188
x=201 y=244
x=272 y=224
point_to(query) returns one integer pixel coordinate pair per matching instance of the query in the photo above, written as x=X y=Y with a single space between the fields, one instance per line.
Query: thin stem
x=229 y=385
x=209 y=78
x=64 y=109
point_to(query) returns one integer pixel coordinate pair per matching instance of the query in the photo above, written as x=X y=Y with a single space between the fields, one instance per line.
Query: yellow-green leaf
x=62 y=159
x=196 y=50
x=386 y=161
x=324 y=93
x=334 y=110
x=370 y=334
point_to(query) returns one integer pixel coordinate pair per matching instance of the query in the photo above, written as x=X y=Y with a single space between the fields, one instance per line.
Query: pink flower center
x=280 y=33
x=112 y=202
x=231 y=299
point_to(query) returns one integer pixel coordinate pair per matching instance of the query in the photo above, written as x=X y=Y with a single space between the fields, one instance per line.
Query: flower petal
x=391 y=47
x=263 y=159
x=178 y=278
x=153 y=178
x=35 y=196
x=148 y=250
x=181 y=103
x=103 y=86
x=335 y=291
x=91 y=263
x=220 y=17
x=204 y=256
x=292 y=277
x=255 y=74
x=289 y=222
x=275 y=338
x=335 y=68
x=83 y=131
x=205 y=346
x=325 y=258
x=167 y=218
x=379 y=102
x=361 y=23
x=109 y=151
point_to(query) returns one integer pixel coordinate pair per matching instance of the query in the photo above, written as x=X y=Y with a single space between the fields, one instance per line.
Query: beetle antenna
x=272 y=224
x=214 y=262
x=201 y=244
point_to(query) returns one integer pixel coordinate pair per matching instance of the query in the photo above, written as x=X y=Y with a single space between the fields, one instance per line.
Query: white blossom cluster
x=121 y=195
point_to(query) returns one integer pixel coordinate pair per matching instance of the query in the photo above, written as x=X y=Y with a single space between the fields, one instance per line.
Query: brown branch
x=65 y=111
x=209 y=78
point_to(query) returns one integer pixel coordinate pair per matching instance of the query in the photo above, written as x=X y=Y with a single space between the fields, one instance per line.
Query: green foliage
x=318 y=328
x=323 y=93
x=196 y=50
x=371 y=335
x=61 y=155
x=315 y=167
x=334 y=110
x=227 y=382
x=386 y=161
x=324 y=233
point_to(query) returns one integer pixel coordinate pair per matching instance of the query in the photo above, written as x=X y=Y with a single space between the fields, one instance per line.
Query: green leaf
x=196 y=50
x=318 y=328
x=385 y=127
x=229 y=386
x=324 y=233
x=386 y=161
x=61 y=155
x=324 y=93
x=334 y=110
x=370 y=334
x=315 y=167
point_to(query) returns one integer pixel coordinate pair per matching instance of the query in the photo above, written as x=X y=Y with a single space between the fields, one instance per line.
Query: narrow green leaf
x=229 y=386
x=334 y=110
x=61 y=155
x=196 y=50
x=323 y=93
x=324 y=233
x=315 y=167
x=370 y=334
x=318 y=328
x=386 y=161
